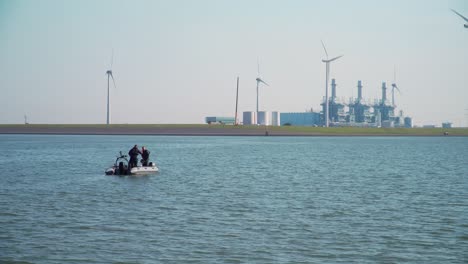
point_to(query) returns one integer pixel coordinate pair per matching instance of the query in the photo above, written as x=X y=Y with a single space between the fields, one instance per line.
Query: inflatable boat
x=120 y=167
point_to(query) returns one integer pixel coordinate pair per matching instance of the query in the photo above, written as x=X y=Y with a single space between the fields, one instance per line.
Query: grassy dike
x=203 y=129
x=377 y=131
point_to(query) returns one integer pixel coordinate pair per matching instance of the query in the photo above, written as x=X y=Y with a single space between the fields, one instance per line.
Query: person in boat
x=133 y=153
x=145 y=156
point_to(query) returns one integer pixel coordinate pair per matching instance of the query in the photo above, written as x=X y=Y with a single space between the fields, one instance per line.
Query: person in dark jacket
x=145 y=156
x=133 y=153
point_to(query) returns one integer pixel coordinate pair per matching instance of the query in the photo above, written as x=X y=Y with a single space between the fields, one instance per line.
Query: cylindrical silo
x=264 y=118
x=248 y=118
x=275 y=118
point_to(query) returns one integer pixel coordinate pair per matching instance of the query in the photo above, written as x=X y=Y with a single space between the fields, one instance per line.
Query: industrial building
x=220 y=120
x=361 y=112
x=356 y=112
x=264 y=118
x=336 y=107
x=301 y=119
x=359 y=109
x=447 y=125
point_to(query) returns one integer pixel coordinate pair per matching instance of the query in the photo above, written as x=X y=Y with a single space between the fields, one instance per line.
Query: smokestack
x=359 y=90
x=333 y=85
x=384 y=92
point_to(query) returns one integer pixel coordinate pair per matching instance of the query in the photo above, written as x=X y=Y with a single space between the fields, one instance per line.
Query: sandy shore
x=219 y=130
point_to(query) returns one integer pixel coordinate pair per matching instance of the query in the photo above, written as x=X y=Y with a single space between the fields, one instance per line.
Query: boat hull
x=135 y=171
x=144 y=170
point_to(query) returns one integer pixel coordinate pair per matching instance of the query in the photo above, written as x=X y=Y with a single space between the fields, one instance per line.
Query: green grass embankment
x=227 y=129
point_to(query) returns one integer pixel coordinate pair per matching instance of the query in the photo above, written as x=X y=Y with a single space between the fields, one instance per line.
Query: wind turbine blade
x=330 y=60
x=466 y=19
x=394 y=74
x=323 y=45
x=396 y=87
x=113 y=80
x=262 y=81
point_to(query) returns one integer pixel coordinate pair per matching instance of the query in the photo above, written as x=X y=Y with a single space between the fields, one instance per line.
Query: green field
x=374 y=131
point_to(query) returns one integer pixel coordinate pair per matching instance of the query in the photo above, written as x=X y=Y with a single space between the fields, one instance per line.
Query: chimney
x=384 y=92
x=333 y=85
x=359 y=90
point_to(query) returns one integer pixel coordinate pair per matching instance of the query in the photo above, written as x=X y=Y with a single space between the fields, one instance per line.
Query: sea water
x=235 y=200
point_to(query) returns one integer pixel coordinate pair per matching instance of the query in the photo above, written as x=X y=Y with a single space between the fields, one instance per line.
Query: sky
x=177 y=61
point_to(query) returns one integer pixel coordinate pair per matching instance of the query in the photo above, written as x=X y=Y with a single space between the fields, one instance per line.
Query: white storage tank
x=248 y=118
x=264 y=118
x=275 y=119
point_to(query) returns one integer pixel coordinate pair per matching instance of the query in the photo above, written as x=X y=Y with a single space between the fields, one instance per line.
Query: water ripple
x=236 y=200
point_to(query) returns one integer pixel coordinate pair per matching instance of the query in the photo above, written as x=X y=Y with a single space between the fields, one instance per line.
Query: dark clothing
x=145 y=157
x=133 y=162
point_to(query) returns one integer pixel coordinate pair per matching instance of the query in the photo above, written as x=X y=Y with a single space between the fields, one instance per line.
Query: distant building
x=388 y=124
x=275 y=118
x=384 y=107
x=220 y=120
x=408 y=122
x=355 y=112
x=447 y=125
x=359 y=109
x=336 y=107
x=249 y=118
x=300 y=119
x=264 y=118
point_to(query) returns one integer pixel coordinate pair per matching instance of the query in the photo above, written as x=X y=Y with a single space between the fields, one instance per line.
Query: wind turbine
x=109 y=75
x=327 y=63
x=259 y=80
x=466 y=19
x=394 y=86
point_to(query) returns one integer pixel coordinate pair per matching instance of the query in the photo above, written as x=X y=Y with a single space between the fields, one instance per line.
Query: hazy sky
x=177 y=61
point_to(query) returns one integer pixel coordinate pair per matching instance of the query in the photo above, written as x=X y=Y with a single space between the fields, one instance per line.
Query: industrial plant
x=355 y=112
x=361 y=112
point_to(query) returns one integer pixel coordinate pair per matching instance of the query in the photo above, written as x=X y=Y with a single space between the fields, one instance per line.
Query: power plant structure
x=336 y=107
x=359 y=109
x=336 y=111
x=357 y=112
x=354 y=112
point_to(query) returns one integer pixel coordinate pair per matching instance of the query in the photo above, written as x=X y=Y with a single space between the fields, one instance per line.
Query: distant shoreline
x=222 y=130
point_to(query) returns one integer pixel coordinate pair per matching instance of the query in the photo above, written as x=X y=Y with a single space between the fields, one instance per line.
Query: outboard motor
x=122 y=169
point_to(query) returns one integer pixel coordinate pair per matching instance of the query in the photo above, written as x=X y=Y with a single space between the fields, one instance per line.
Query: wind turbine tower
x=259 y=81
x=327 y=64
x=109 y=76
